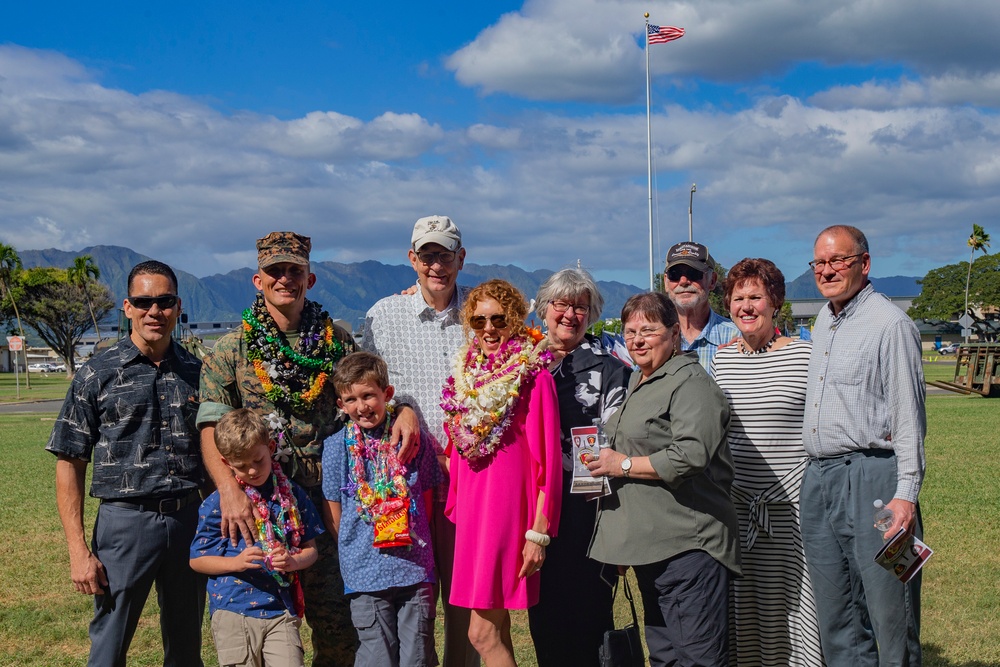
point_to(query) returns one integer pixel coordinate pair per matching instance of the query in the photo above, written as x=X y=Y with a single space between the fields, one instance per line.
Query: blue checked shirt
x=866 y=387
x=718 y=331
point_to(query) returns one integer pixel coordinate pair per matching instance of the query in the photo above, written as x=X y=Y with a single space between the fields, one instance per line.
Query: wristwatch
x=626 y=466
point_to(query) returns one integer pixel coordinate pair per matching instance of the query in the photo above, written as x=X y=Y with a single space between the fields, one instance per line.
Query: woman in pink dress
x=502 y=419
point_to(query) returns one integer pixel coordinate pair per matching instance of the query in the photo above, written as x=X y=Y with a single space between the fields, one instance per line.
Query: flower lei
x=282 y=449
x=286 y=529
x=291 y=377
x=480 y=396
x=388 y=478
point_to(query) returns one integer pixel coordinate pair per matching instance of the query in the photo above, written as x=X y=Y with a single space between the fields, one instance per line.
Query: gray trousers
x=867 y=617
x=395 y=626
x=139 y=548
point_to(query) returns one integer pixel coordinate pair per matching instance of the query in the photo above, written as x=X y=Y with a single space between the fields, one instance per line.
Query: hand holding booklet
x=903 y=555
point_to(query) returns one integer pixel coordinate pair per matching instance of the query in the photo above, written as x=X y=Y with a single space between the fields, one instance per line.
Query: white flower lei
x=479 y=397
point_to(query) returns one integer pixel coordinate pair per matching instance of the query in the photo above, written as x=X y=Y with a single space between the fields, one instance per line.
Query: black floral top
x=134 y=421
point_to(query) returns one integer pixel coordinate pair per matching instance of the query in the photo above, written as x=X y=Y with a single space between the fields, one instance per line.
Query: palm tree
x=978 y=240
x=80 y=274
x=10 y=265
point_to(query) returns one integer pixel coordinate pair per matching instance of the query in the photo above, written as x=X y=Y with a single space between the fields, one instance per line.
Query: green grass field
x=44 y=387
x=44 y=622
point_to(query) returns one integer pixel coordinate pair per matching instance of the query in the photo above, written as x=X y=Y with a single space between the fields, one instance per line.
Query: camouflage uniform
x=228 y=382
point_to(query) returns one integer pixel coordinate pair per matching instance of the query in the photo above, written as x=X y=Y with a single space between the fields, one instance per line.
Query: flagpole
x=649 y=162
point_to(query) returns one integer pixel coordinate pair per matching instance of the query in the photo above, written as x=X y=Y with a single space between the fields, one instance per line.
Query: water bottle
x=883 y=516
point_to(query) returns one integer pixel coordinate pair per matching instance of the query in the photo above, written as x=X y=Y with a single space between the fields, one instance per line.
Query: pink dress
x=493 y=506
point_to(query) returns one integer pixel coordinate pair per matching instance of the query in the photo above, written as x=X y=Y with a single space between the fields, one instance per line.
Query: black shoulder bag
x=623 y=648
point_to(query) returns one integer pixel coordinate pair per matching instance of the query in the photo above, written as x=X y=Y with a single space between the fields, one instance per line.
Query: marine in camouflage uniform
x=229 y=381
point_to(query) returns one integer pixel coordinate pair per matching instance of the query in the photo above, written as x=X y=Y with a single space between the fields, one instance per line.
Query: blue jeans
x=867 y=617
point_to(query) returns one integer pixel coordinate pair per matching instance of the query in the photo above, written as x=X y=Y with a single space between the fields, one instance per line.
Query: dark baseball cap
x=692 y=254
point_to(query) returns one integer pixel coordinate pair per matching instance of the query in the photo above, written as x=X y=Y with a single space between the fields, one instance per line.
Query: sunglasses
x=478 y=322
x=674 y=273
x=164 y=301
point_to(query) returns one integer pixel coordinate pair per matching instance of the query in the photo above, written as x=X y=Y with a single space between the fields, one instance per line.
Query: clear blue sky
x=185 y=131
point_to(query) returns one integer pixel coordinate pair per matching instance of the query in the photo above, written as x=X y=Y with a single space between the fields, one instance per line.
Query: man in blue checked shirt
x=863 y=430
x=688 y=279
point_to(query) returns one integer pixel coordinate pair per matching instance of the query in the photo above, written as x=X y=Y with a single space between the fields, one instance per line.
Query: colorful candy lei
x=285 y=530
x=292 y=378
x=388 y=475
x=480 y=396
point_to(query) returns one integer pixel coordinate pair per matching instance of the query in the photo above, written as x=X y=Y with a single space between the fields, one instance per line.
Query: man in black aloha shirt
x=131 y=411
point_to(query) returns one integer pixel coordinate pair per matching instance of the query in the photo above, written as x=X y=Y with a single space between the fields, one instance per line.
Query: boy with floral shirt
x=377 y=507
x=255 y=595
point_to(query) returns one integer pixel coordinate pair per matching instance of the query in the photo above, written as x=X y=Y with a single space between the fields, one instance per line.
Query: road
x=34 y=406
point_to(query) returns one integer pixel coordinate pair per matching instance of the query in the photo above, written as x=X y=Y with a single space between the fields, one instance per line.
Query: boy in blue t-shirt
x=255 y=596
x=377 y=506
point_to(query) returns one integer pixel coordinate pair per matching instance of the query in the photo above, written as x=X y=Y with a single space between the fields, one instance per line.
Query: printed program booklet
x=903 y=555
x=585 y=449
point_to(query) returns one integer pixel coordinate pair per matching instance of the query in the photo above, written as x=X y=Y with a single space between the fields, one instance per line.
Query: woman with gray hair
x=590 y=384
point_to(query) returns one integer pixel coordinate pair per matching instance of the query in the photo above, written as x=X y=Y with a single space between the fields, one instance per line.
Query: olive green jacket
x=679 y=418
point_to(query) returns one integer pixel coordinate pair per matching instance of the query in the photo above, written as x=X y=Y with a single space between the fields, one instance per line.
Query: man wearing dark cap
x=418 y=334
x=278 y=365
x=688 y=279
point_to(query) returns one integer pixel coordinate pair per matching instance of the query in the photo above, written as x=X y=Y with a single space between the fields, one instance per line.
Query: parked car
x=950 y=348
x=42 y=368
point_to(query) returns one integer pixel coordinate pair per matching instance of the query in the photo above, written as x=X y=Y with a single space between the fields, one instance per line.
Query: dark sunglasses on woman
x=478 y=322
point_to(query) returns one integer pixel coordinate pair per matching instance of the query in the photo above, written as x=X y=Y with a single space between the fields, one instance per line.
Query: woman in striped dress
x=772 y=610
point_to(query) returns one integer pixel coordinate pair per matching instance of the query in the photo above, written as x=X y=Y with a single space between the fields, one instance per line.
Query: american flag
x=657 y=35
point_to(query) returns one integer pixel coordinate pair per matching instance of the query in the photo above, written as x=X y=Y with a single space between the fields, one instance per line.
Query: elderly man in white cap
x=418 y=334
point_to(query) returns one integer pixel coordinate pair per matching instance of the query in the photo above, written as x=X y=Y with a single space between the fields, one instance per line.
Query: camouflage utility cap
x=279 y=247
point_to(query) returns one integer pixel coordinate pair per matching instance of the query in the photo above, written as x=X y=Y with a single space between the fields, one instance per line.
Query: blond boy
x=255 y=596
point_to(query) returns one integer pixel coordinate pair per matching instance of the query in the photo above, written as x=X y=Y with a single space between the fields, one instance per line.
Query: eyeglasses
x=164 y=301
x=645 y=333
x=444 y=257
x=561 y=307
x=478 y=322
x=836 y=263
x=674 y=273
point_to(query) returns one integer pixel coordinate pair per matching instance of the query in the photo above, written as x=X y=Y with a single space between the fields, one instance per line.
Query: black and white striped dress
x=772 y=610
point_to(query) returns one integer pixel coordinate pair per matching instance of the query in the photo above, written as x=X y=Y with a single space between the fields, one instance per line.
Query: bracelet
x=541 y=539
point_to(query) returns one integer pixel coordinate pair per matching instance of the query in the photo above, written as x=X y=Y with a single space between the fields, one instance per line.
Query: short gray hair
x=569 y=284
x=855 y=234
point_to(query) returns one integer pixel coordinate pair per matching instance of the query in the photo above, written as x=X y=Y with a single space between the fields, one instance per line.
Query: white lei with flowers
x=480 y=396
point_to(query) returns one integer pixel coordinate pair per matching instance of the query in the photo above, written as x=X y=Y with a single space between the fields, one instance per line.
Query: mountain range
x=349 y=290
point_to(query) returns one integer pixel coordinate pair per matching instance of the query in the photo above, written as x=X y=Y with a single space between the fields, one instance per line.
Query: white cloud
x=945 y=90
x=590 y=50
x=82 y=164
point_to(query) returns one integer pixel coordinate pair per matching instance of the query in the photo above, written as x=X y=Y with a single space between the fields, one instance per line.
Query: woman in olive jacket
x=669 y=515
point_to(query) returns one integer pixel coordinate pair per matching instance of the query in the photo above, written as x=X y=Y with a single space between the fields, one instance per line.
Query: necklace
x=745 y=349
x=480 y=396
x=293 y=378
x=284 y=530
x=387 y=479
x=377 y=480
